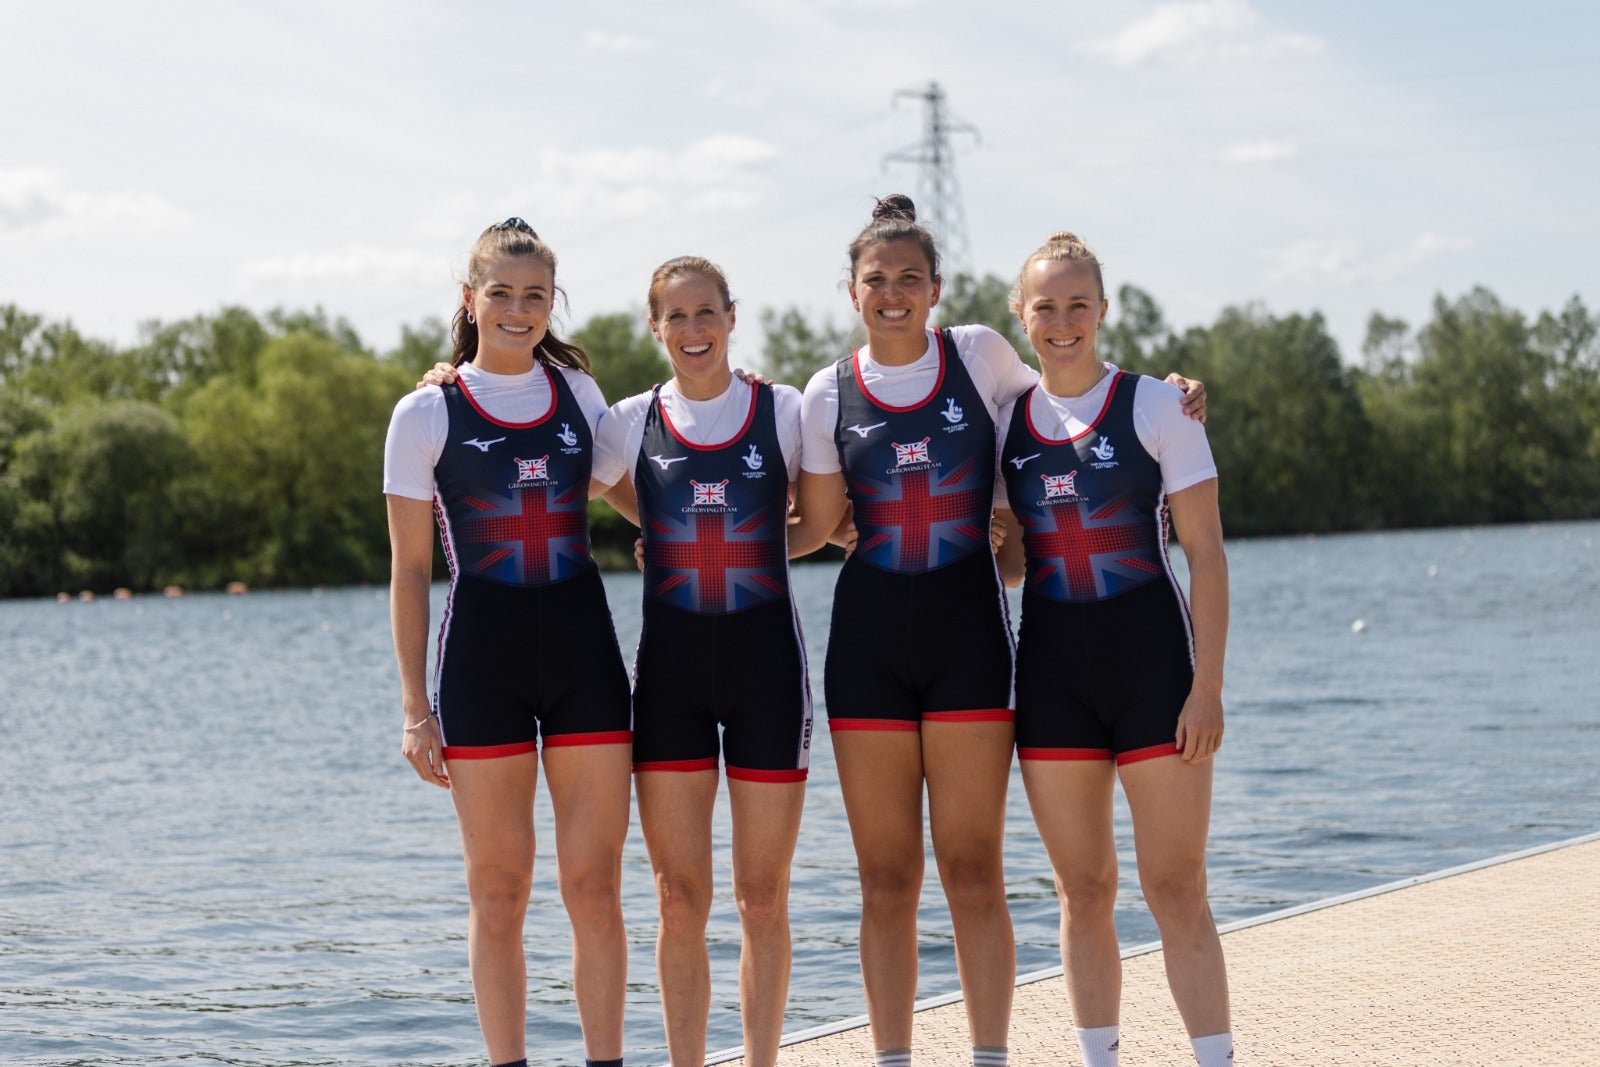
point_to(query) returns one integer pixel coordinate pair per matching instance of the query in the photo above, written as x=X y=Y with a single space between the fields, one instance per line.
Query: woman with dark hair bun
x=918 y=673
x=526 y=648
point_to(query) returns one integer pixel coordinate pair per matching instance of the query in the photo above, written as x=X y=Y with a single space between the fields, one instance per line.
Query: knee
x=499 y=895
x=684 y=903
x=1177 y=897
x=592 y=893
x=1087 y=895
x=972 y=880
x=763 y=903
x=891 y=883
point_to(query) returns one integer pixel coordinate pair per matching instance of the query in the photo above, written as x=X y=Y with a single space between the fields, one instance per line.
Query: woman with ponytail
x=918 y=673
x=526 y=647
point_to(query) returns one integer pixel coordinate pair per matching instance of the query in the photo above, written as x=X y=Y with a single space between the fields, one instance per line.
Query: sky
x=164 y=160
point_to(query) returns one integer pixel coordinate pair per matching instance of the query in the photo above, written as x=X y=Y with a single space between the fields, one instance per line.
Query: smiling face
x=894 y=290
x=1062 y=309
x=693 y=322
x=512 y=304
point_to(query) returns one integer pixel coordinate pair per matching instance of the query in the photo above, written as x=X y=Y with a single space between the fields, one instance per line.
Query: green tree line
x=237 y=446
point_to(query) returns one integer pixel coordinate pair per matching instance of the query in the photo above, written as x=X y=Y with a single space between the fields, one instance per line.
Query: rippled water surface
x=214 y=854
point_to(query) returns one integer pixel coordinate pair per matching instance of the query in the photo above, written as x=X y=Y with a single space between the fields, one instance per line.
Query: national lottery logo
x=1059 y=485
x=709 y=494
x=1103 y=451
x=566 y=436
x=915 y=452
x=533 y=470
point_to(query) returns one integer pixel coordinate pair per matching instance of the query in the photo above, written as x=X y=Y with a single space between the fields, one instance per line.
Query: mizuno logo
x=864 y=430
x=666 y=462
x=1018 y=461
x=483 y=446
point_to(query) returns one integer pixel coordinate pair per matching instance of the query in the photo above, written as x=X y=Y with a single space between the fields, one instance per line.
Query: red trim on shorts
x=1063 y=753
x=745 y=775
x=489 y=751
x=1139 y=755
x=976 y=715
x=598 y=737
x=707 y=764
x=872 y=724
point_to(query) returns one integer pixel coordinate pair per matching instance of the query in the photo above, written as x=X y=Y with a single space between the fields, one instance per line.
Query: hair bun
x=1064 y=237
x=895 y=206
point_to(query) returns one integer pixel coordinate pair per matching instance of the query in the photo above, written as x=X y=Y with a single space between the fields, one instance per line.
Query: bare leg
x=766 y=822
x=589 y=790
x=968 y=766
x=1071 y=801
x=1171 y=805
x=675 y=813
x=880 y=774
x=494 y=806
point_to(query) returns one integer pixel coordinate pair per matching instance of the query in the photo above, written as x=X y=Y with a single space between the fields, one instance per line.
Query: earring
x=470 y=320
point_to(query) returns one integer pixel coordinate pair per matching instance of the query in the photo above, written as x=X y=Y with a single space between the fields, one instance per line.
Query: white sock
x=1213 y=1051
x=1099 y=1045
x=892 y=1057
x=989 y=1056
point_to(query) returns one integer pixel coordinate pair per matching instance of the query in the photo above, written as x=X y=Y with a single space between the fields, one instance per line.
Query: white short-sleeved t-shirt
x=420 y=423
x=997 y=373
x=705 y=422
x=1175 y=440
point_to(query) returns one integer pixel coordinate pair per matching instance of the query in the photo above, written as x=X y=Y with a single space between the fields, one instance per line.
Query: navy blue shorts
x=518 y=662
x=744 y=673
x=903 y=648
x=1103 y=679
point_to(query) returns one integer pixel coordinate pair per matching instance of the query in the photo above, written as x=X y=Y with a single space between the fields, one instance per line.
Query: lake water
x=213 y=852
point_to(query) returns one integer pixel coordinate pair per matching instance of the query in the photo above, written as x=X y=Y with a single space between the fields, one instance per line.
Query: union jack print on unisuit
x=1059 y=484
x=710 y=492
x=533 y=470
x=915 y=452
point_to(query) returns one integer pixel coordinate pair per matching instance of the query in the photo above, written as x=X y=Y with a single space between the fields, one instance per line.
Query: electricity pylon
x=939 y=194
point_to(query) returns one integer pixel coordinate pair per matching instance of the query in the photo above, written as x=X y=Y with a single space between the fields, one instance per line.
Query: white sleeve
x=1001 y=423
x=996 y=369
x=819 y=414
x=1175 y=440
x=586 y=391
x=786 y=408
x=619 y=438
x=417 y=432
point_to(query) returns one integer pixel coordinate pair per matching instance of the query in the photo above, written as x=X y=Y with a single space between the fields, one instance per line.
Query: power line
x=939 y=192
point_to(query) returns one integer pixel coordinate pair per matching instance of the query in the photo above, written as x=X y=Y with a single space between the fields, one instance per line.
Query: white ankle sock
x=892 y=1057
x=1213 y=1051
x=989 y=1056
x=1099 y=1045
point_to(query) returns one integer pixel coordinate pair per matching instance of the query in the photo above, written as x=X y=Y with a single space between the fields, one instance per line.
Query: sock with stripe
x=1213 y=1051
x=989 y=1056
x=892 y=1057
x=1099 y=1045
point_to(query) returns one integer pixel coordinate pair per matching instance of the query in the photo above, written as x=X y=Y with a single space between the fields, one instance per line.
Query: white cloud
x=40 y=203
x=357 y=263
x=1199 y=30
x=713 y=172
x=619 y=43
x=1257 y=152
x=1349 y=263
